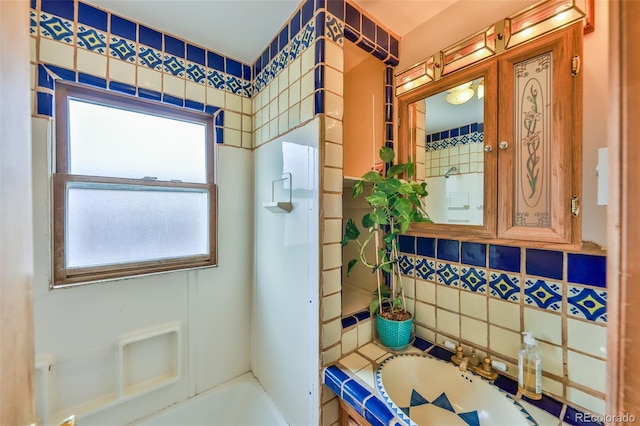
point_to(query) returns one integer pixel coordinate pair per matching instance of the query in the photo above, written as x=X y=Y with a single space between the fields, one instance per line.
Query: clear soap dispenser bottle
x=530 y=368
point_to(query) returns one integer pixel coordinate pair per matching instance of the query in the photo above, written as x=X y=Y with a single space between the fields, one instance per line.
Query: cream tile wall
x=335 y=27
x=560 y=297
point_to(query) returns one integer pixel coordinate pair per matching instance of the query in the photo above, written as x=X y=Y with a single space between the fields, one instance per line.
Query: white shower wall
x=286 y=290
x=79 y=328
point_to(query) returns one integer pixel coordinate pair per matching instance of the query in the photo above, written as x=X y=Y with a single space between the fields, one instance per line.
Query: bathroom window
x=133 y=187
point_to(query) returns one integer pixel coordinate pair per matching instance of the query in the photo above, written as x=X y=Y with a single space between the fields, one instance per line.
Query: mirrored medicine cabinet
x=498 y=141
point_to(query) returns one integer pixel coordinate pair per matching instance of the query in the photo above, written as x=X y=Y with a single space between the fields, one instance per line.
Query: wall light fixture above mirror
x=530 y=23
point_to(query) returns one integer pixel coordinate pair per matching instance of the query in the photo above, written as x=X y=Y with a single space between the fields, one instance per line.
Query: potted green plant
x=394 y=203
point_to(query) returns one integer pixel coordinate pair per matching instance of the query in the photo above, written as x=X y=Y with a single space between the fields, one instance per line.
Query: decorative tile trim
x=334 y=29
x=150 y=58
x=504 y=286
x=266 y=71
x=360 y=28
x=473 y=279
x=122 y=49
x=587 y=303
x=92 y=39
x=469 y=133
x=406 y=265
x=425 y=269
x=44 y=100
x=447 y=274
x=56 y=28
x=543 y=294
x=121 y=44
x=355 y=318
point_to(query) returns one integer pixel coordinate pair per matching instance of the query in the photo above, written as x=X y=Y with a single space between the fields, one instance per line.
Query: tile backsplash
x=484 y=296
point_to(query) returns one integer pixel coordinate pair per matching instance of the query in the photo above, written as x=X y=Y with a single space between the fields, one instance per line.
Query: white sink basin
x=426 y=391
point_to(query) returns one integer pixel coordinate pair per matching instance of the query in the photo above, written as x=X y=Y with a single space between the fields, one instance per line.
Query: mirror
x=445 y=126
x=453 y=123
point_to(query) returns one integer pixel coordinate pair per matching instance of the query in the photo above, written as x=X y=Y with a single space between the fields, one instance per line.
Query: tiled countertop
x=352 y=378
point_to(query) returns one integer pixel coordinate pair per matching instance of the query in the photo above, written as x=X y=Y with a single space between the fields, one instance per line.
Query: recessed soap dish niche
x=149 y=359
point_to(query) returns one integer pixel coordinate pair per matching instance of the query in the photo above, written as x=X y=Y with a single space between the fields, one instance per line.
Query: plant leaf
x=404 y=225
x=386 y=154
x=377 y=199
x=419 y=189
x=411 y=170
x=351 y=232
x=367 y=221
x=406 y=188
x=372 y=177
x=357 y=188
x=374 y=305
x=389 y=186
x=351 y=265
x=380 y=217
x=403 y=206
x=397 y=169
x=390 y=237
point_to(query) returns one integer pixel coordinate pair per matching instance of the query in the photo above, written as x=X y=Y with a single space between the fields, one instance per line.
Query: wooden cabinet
x=540 y=139
x=531 y=148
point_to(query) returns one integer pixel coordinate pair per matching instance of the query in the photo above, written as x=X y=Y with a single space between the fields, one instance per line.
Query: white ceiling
x=241 y=29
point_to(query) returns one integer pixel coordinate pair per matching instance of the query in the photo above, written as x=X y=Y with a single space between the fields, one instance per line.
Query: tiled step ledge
x=352 y=379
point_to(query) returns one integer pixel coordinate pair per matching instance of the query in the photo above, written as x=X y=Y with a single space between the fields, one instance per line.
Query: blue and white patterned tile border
x=470 y=133
x=379 y=412
x=406 y=265
x=504 y=286
x=123 y=49
x=447 y=273
x=334 y=29
x=425 y=268
x=91 y=39
x=149 y=57
x=587 y=303
x=473 y=279
x=543 y=293
x=55 y=28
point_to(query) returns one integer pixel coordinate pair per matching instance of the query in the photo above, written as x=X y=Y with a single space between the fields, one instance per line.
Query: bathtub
x=240 y=402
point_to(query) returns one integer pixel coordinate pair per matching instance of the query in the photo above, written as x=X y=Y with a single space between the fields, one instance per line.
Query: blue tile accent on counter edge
x=377 y=412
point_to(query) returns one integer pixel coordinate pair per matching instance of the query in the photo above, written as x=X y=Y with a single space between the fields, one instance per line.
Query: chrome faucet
x=452 y=171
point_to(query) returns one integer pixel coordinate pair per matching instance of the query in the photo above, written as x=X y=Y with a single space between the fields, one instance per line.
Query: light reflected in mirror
x=451 y=123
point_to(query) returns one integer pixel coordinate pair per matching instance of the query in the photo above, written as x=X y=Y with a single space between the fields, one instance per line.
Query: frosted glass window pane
x=113 y=142
x=111 y=225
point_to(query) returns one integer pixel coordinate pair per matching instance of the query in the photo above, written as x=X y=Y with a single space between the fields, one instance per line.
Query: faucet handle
x=486 y=364
x=457 y=358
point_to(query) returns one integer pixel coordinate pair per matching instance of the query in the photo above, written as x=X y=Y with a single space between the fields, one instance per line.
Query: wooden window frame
x=63 y=276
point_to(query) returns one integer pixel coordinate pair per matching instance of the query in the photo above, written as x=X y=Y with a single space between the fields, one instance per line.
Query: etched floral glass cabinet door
x=540 y=140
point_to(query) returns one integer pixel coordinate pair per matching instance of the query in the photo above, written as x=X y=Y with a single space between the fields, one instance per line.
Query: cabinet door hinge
x=575 y=65
x=575 y=206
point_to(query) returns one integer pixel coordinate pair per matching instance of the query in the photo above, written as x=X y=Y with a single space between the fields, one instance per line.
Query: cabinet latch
x=575 y=65
x=575 y=206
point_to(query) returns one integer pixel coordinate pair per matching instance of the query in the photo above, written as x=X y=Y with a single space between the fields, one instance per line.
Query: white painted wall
x=80 y=327
x=286 y=290
x=465 y=17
